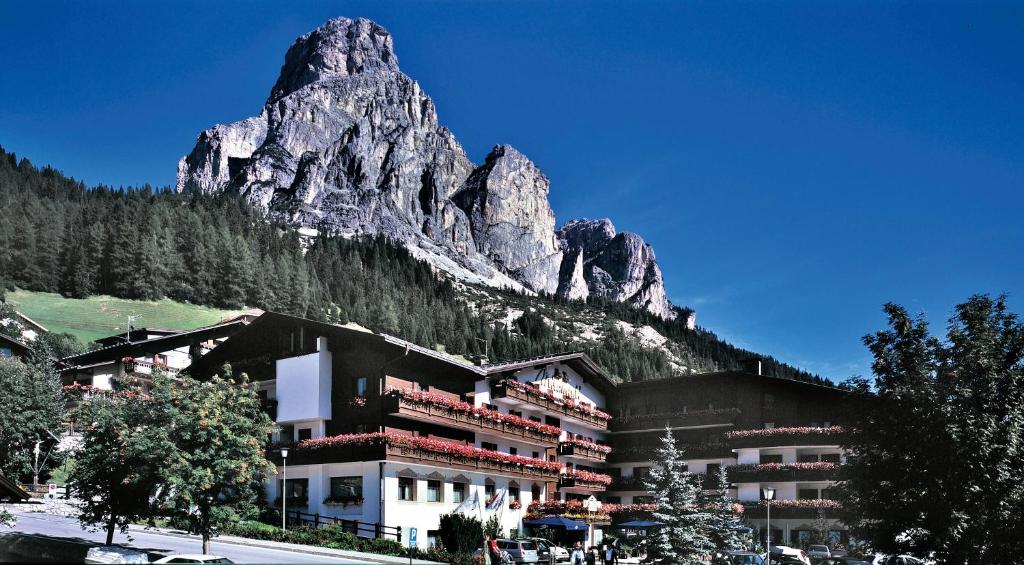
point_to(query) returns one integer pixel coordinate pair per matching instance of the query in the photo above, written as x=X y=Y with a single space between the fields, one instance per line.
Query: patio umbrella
x=557 y=522
x=640 y=524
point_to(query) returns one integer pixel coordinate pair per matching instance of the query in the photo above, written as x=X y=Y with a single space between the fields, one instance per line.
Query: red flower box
x=442 y=401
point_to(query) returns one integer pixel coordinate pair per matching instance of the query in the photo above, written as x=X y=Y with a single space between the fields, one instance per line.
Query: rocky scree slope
x=349 y=144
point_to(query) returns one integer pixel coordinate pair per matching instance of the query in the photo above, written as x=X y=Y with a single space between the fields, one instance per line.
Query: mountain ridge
x=348 y=144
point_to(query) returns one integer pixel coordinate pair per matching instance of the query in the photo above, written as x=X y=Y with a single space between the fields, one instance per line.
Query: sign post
x=592 y=505
x=412 y=542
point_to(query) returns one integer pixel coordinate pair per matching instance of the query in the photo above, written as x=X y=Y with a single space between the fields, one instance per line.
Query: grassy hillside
x=100 y=316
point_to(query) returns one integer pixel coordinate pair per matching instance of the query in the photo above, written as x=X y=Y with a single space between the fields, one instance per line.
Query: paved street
x=58 y=526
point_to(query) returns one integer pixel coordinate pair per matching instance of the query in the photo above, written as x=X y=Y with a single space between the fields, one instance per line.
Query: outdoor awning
x=557 y=522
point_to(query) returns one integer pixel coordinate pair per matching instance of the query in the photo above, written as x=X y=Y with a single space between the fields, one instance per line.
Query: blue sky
x=795 y=165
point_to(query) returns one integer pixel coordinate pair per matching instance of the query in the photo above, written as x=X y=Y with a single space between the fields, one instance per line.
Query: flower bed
x=567 y=402
x=448 y=448
x=457 y=406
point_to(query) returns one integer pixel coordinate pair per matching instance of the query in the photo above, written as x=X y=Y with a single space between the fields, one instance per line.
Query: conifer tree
x=682 y=537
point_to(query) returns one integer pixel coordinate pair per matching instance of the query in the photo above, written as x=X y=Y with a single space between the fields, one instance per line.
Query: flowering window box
x=678 y=418
x=343 y=500
x=392 y=446
x=781 y=437
x=779 y=472
x=566 y=407
x=584 y=449
x=584 y=480
x=446 y=411
x=803 y=509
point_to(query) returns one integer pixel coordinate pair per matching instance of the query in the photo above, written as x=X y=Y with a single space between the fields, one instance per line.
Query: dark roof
x=9 y=490
x=19 y=347
x=155 y=345
x=123 y=336
x=670 y=381
x=576 y=359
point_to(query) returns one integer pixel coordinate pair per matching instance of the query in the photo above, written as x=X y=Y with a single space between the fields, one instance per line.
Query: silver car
x=818 y=552
x=521 y=550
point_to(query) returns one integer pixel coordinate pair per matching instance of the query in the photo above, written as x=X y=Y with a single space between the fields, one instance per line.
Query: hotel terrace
x=383 y=435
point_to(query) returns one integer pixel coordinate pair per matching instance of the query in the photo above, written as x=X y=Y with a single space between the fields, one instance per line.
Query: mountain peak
x=341 y=47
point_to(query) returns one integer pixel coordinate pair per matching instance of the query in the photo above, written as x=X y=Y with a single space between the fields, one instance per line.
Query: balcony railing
x=637 y=453
x=781 y=437
x=140 y=367
x=412 y=449
x=584 y=480
x=781 y=472
x=631 y=482
x=675 y=419
x=802 y=509
x=462 y=415
x=584 y=450
x=582 y=412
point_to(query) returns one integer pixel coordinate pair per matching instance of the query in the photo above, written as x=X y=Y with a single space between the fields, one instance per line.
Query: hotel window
x=641 y=473
x=295 y=490
x=769 y=400
x=360 y=386
x=807 y=458
x=406 y=488
x=827 y=424
x=771 y=458
x=713 y=469
x=827 y=493
x=433 y=537
x=287 y=434
x=535 y=492
x=434 y=491
x=513 y=493
x=513 y=451
x=536 y=455
x=830 y=457
x=458 y=492
x=807 y=493
x=769 y=425
x=347 y=490
x=488 y=445
x=488 y=493
x=305 y=433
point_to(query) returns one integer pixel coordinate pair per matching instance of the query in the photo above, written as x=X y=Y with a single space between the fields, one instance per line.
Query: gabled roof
x=155 y=345
x=19 y=347
x=35 y=325
x=9 y=490
x=575 y=359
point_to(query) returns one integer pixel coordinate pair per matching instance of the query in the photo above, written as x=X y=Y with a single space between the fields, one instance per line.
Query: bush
x=460 y=533
x=333 y=537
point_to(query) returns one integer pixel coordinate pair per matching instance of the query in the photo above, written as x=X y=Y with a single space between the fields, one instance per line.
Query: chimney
x=752 y=366
x=480 y=360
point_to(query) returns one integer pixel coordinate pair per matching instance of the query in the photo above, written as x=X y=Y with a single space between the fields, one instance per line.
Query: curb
x=281 y=546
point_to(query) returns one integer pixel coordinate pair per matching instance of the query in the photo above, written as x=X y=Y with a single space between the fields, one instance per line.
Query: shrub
x=460 y=533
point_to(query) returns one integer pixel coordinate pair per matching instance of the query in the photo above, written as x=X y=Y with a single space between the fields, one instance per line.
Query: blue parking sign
x=412 y=537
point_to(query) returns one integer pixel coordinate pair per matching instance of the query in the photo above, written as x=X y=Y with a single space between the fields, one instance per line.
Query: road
x=57 y=526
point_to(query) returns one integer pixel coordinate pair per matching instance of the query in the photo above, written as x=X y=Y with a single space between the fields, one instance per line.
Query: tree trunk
x=111 y=525
x=206 y=543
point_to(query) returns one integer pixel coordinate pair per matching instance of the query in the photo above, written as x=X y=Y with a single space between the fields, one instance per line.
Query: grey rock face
x=348 y=144
x=506 y=200
x=617 y=266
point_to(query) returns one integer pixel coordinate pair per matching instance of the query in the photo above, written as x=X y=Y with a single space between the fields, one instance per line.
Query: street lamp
x=769 y=495
x=284 y=488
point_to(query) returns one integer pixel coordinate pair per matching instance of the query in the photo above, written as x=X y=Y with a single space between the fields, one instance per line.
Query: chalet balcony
x=631 y=482
x=584 y=450
x=783 y=472
x=800 y=509
x=138 y=367
x=785 y=437
x=638 y=453
x=562 y=408
x=584 y=480
x=438 y=409
x=659 y=420
x=418 y=450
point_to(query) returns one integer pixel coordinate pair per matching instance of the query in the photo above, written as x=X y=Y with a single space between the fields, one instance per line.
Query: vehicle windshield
x=746 y=560
x=819 y=548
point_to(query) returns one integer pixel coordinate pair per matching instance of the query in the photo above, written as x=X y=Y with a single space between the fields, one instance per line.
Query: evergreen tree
x=723 y=525
x=682 y=538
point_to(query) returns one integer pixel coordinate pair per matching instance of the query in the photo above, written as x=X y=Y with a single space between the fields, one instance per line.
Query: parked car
x=789 y=552
x=521 y=550
x=898 y=560
x=844 y=561
x=818 y=552
x=780 y=559
x=545 y=548
x=737 y=557
x=193 y=558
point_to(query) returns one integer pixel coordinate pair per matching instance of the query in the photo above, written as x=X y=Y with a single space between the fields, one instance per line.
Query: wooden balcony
x=582 y=452
x=774 y=473
x=801 y=509
x=348 y=454
x=423 y=412
x=575 y=482
x=785 y=437
x=553 y=407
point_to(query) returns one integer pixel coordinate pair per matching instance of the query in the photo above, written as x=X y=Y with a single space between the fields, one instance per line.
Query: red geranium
x=440 y=400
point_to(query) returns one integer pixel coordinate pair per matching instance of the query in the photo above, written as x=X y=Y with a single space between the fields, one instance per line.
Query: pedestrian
x=577 y=554
x=609 y=554
x=591 y=557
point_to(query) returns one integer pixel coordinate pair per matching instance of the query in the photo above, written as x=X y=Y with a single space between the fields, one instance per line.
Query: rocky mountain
x=349 y=144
